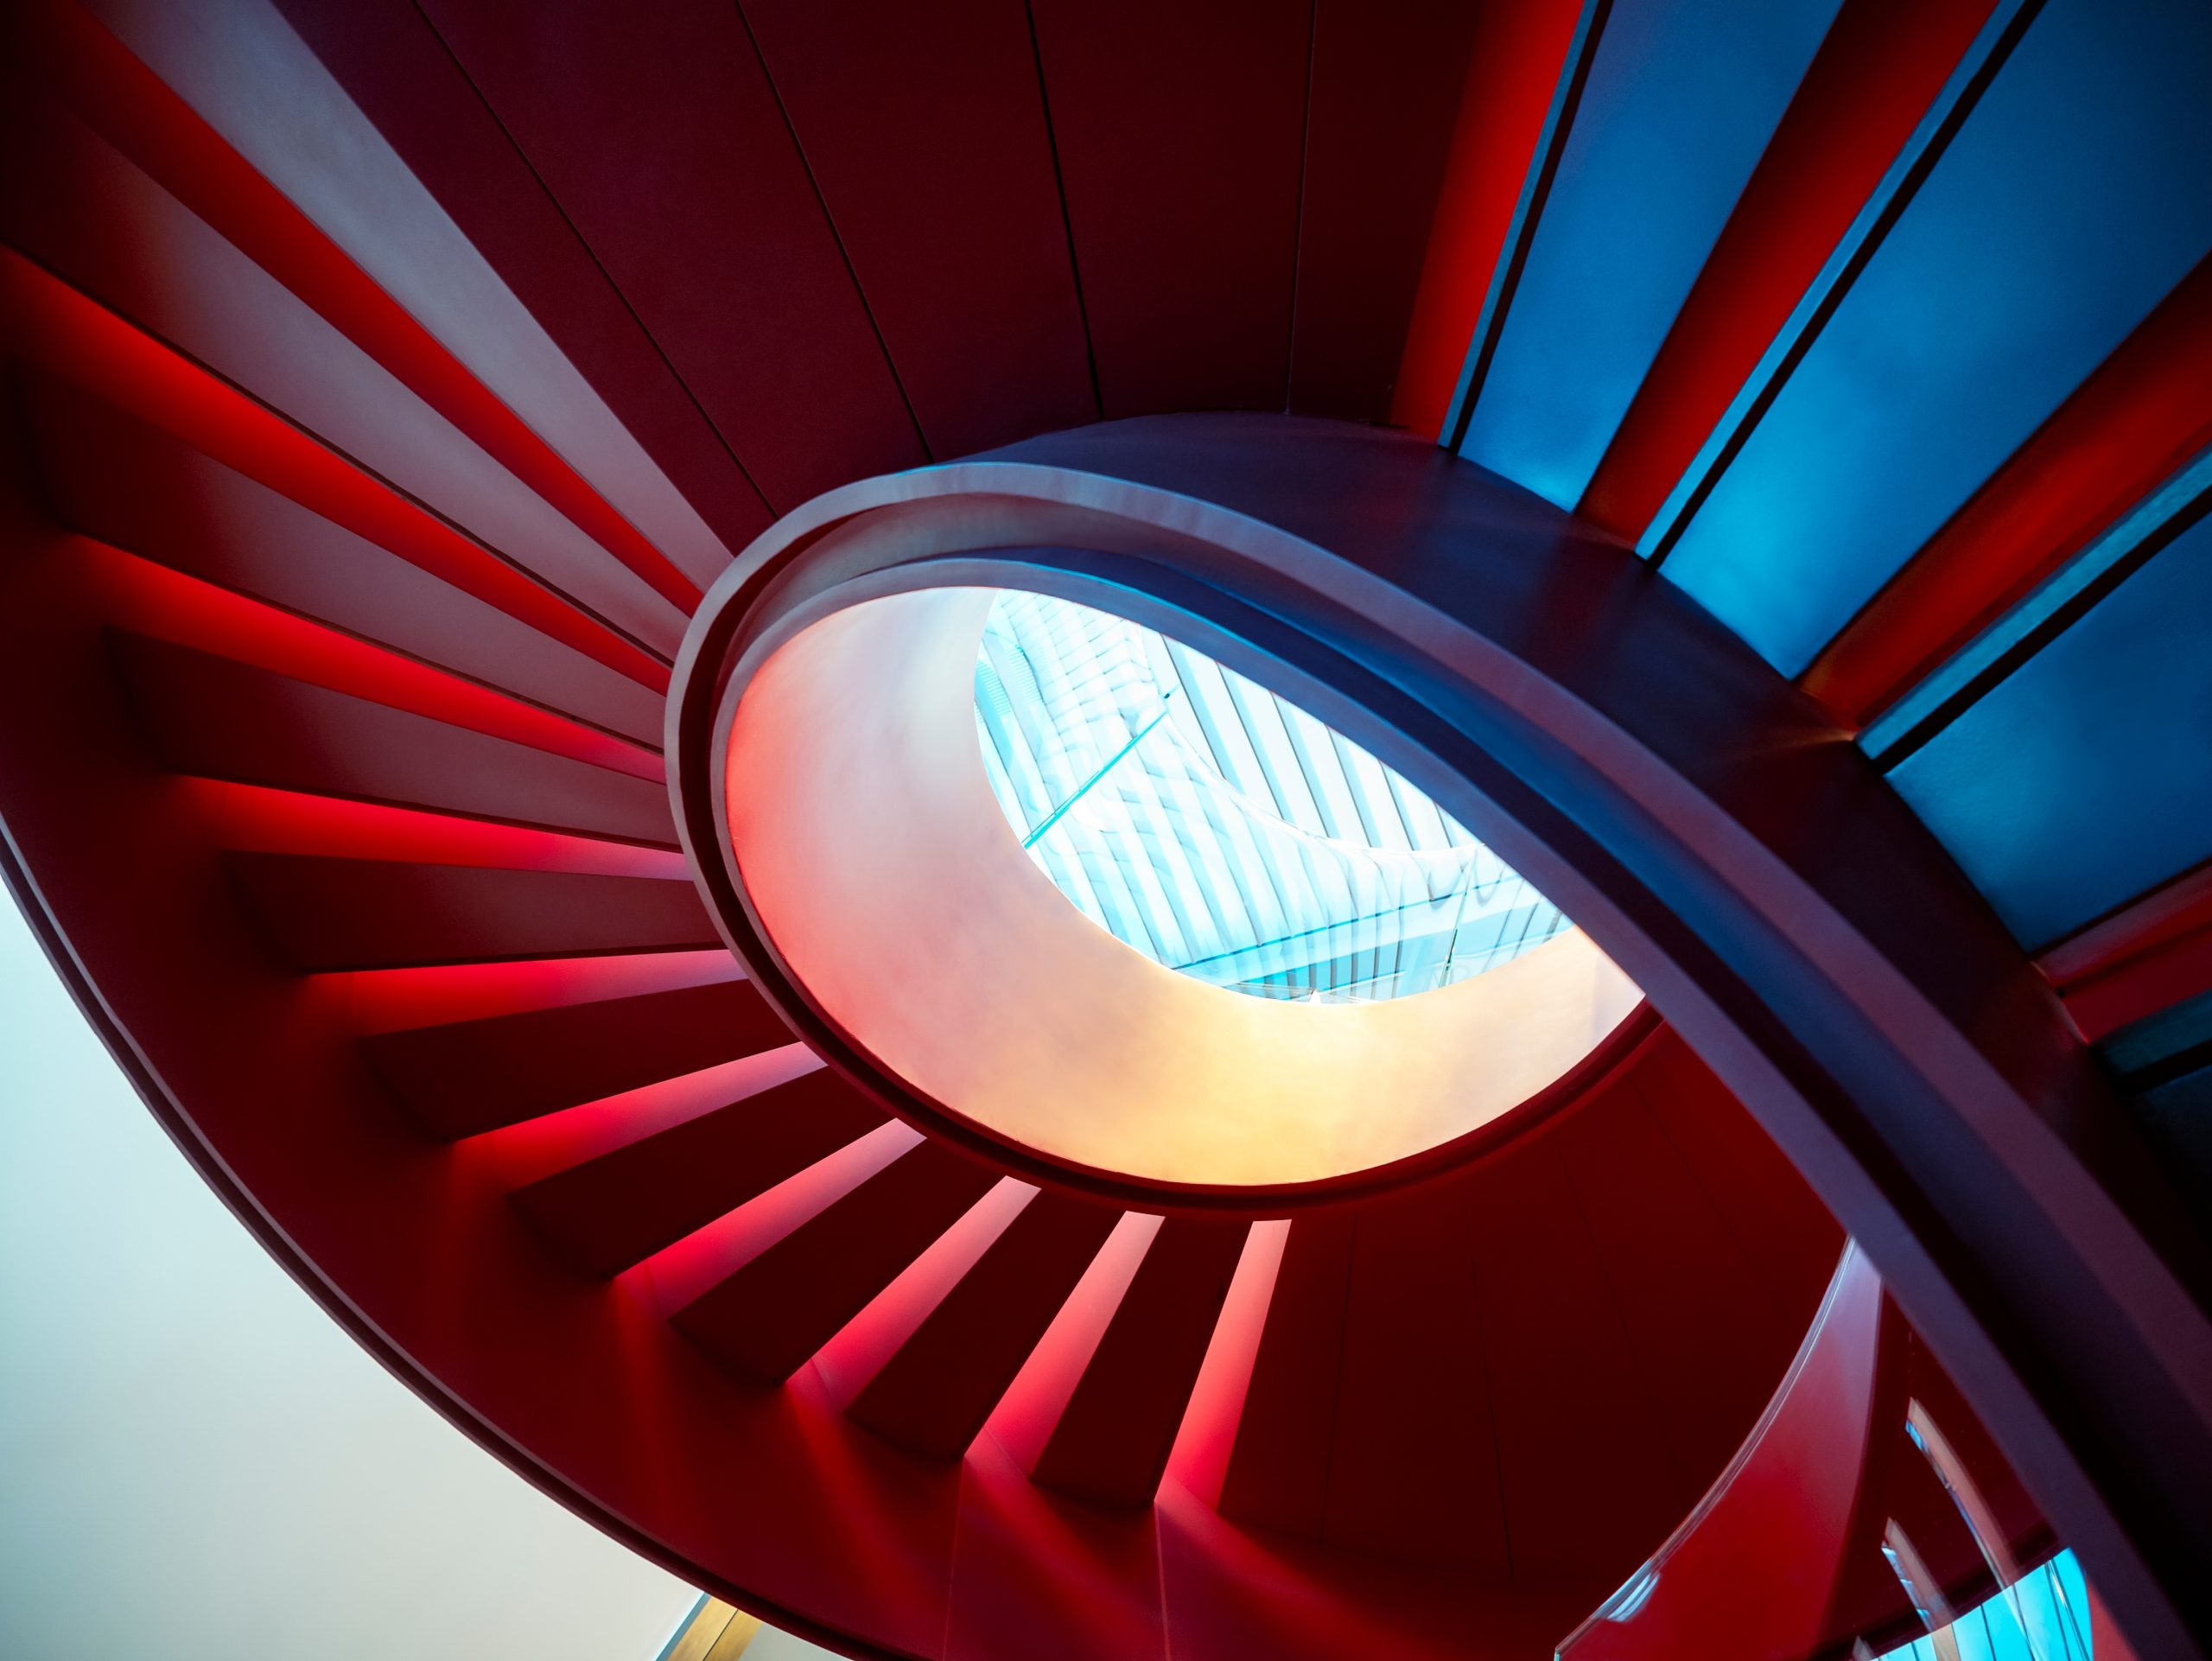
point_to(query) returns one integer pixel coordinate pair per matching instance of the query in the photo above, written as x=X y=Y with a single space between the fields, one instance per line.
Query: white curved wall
x=880 y=865
x=195 y=1463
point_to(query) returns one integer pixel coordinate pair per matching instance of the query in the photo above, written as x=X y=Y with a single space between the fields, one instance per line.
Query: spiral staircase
x=390 y=386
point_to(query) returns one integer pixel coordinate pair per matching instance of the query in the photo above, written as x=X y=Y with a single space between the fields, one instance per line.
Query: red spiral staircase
x=332 y=776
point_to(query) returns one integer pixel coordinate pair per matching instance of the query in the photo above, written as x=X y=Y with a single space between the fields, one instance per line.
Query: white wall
x=195 y=1463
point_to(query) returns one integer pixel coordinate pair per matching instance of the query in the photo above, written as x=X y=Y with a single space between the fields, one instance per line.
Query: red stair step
x=1278 y=1474
x=472 y=1076
x=619 y=1209
x=935 y=1392
x=769 y=1317
x=223 y=720
x=323 y=914
x=1113 y=1439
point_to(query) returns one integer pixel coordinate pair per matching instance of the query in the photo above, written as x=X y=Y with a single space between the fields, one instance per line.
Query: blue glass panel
x=2042 y=612
x=2078 y=193
x=1224 y=831
x=2085 y=777
x=1681 y=98
x=2042 y=1616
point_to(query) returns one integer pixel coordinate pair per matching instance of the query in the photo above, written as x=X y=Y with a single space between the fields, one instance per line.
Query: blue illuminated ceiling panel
x=2080 y=780
x=2075 y=196
x=1681 y=97
x=1224 y=831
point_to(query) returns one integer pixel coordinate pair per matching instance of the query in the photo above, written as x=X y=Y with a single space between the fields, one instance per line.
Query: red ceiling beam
x=1876 y=73
x=2144 y=413
x=1519 y=52
x=2149 y=957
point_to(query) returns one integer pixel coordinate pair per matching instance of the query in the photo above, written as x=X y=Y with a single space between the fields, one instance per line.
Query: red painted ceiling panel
x=1181 y=133
x=925 y=131
x=1519 y=50
x=658 y=132
x=1386 y=86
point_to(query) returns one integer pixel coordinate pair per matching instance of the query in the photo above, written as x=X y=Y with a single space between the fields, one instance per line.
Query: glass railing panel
x=1224 y=831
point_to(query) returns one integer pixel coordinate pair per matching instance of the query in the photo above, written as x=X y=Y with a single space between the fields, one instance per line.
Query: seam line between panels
x=844 y=254
x=1298 y=230
x=598 y=265
x=1924 y=712
x=1798 y=337
x=1521 y=231
x=1067 y=219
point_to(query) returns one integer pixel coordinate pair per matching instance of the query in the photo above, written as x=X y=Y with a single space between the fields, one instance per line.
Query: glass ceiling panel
x=1224 y=831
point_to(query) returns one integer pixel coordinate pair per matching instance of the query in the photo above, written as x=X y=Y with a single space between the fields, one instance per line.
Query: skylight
x=1224 y=831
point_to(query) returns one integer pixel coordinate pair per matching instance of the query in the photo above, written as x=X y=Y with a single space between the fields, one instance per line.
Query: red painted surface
x=1679 y=1315
x=90 y=216
x=683 y=1271
x=854 y=1355
x=1112 y=1440
x=764 y=1320
x=2148 y=957
x=1413 y=1455
x=126 y=483
x=1277 y=1468
x=395 y=67
x=611 y=1212
x=464 y=1077
x=69 y=334
x=954 y=231
x=935 y=1390
x=165 y=605
x=1181 y=127
x=1386 y=87
x=657 y=128
x=1519 y=50
x=517 y=1154
x=1032 y=1405
x=212 y=718
x=2146 y=410
x=1405 y=1412
x=1880 y=67
x=1342 y=1391
x=321 y=913
x=137 y=113
x=1764 y=1554
x=1786 y=1237
x=391 y=1000
x=1199 y=1460
x=261 y=819
x=1547 y=1376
